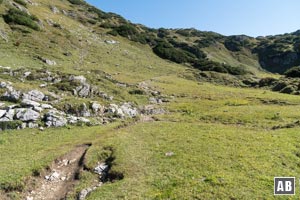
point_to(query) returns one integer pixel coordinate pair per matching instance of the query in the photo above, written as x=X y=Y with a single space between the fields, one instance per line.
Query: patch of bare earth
x=54 y=184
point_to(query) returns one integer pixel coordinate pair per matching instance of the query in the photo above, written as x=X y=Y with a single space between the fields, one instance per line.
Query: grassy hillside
x=215 y=131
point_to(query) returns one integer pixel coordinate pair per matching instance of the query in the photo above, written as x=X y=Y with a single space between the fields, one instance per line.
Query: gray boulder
x=46 y=106
x=2 y=113
x=80 y=79
x=34 y=95
x=12 y=95
x=29 y=103
x=129 y=110
x=97 y=108
x=25 y=114
x=115 y=110
x=54 y=118
x=83 y=90
x=84 y=111
x=8 y=116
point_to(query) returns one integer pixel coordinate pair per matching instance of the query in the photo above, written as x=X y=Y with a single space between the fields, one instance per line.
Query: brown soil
x=54 y=184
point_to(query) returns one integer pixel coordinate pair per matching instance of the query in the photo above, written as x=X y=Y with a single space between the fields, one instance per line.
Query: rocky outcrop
x=26 y=115
x=34 y=95
x=55 y=118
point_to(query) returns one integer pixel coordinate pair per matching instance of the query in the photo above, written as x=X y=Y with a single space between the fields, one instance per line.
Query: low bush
x=15 y=16
x=76 y=2
x=293 y=72
x=10 y=125
x=21 y=2
x=167 y=51
x=137 y=92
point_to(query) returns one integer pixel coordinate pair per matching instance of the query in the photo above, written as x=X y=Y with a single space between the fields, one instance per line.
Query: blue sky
x=228 y=17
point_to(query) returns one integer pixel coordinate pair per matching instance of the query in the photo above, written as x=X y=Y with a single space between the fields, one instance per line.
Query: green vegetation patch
x=15 y=16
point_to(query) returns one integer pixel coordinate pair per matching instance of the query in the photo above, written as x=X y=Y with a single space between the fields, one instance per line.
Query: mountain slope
x=142 y=103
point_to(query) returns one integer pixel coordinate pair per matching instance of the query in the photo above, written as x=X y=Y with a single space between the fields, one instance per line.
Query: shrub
x=10 y=125
x=167 y=51
x=76 y=2
x=15 y=16
x=266 y=81
x=137 y=92
x=21 y=2
x=293 y=72
x=126 y=30
x=207 y=65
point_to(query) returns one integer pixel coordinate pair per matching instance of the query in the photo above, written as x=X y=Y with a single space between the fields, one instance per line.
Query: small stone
x=41 y=128
x=46 y=106
x=43 y=85
x=2 y=113
x=168 y=154
x=26 y=74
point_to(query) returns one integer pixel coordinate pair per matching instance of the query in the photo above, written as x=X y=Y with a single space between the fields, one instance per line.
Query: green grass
x=210 y=161
x=222 y=138
x=24 y=152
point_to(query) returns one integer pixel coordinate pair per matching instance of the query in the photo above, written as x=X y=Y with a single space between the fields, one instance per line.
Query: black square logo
x=284 y=186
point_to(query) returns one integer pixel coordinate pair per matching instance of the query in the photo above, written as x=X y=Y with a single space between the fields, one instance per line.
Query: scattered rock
x=9 y=116
x=46 y=106
x=101 y=168
x=154 y=100
x=83 y=194
x=97 y=108
x=168 y=154
x=111 y=42
x=2 y=113
x=52 y=177
x=129 y=110
x=34 y=95
x=29 y=103
x=12 y=95
x=32 y=125
x=25 y=114
x=55 y=118
x=26 y=74
x=152 y=110
x=80 y=79
x=54 y=9
x=115 y=110
x=84 y=111
x=47 y=61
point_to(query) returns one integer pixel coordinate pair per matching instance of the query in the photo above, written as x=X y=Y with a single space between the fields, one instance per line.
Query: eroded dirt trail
x=55 y=184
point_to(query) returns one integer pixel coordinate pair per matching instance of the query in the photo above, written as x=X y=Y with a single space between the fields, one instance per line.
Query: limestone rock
x=34 y=95
x=129 y=110
x=55 y=118
x=29 y=103
x=25 y=114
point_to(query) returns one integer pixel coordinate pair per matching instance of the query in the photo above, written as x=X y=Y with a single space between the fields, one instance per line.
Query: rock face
x=80 y=79
x=115 y=110
x=97 y=109
x=29 y=103
x=34 y=95
x=129 y=110
x=26 y=115
x=55 y=118
x=8 y=116
x=12 y=95
x=83 y=90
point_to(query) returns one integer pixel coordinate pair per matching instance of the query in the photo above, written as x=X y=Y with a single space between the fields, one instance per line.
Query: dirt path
x=55 y=184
